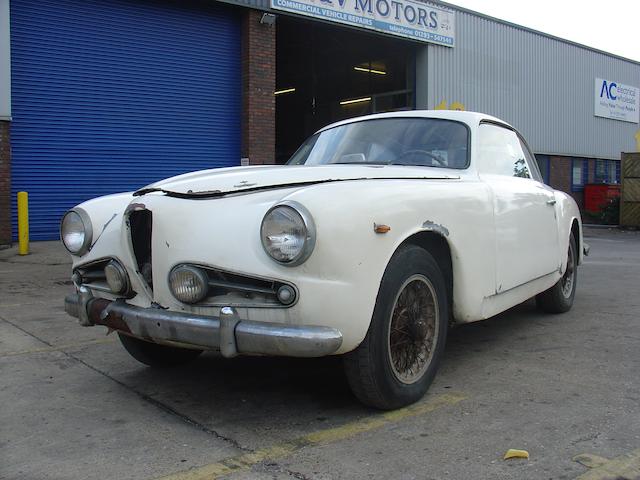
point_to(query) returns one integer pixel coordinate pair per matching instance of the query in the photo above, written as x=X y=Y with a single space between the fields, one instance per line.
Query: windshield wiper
x=358 y=163
x=403 y=164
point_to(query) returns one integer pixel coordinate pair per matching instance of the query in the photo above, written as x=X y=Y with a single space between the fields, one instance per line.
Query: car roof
x=470 y=118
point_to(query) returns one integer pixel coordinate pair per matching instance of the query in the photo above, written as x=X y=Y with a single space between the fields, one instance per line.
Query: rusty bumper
x=225 y=332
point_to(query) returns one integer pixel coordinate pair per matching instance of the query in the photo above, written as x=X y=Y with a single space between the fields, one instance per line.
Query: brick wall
x=560 y=173
x=258 y=60
x=5 y=184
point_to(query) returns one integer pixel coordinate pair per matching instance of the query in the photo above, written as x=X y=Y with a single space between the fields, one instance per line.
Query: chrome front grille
x=140 y=227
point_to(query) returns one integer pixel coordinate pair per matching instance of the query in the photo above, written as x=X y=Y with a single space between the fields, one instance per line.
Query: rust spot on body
x=435 y=227
x=100 y=315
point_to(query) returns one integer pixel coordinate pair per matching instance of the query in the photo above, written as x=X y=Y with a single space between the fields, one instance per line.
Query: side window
x=544 y=165
x=531 y=162
x=501 y=153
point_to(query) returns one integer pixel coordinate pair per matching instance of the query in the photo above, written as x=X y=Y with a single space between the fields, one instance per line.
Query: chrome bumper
x=227 y=332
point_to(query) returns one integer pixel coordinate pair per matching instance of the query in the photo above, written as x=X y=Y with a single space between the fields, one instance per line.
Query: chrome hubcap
x=413 y=329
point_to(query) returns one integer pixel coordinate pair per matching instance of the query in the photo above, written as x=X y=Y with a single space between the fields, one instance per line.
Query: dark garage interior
x=332 y=73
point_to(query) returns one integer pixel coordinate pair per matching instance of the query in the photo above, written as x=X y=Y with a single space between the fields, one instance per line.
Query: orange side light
x=381 y=228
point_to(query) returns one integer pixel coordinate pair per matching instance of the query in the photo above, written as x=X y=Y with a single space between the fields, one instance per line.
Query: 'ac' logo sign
x=608 y=90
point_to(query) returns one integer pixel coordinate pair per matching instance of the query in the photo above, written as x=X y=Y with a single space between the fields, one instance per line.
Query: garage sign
x=617 y=101
x=404 y=18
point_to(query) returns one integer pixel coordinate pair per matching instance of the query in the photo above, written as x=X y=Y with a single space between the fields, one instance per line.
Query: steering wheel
x=434 y=159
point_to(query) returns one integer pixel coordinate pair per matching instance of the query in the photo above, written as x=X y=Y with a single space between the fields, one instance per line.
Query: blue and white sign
x=405 y=18
x=617 y=101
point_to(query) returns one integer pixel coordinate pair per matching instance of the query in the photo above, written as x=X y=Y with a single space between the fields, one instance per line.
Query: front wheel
x=156 y=355
x=559 y=298
x=398 y=359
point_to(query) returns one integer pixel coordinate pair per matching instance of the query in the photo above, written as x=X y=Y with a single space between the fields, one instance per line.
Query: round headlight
x=117 y=277
x=188 y=284
x=76 y=232
x=288 y=233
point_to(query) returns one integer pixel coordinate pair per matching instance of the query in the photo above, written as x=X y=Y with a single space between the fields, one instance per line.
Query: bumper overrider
x=226 y=332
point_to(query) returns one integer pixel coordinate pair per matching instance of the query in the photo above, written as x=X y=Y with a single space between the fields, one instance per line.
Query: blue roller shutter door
x=109 y=95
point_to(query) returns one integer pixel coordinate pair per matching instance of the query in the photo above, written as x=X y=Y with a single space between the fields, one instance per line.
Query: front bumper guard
x=226 y=332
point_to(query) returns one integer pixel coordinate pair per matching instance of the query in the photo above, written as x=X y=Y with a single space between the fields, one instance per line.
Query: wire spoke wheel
x=569 y=274
x=399 y=356
x=413 y=329
x=559 y=297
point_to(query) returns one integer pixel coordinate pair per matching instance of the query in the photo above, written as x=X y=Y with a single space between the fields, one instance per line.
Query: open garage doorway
x=327 y=73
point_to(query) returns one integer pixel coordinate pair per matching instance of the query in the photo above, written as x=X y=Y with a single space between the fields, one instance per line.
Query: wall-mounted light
x=268 y=19
x=355 y=100
x=370 y=70
x=286 y=90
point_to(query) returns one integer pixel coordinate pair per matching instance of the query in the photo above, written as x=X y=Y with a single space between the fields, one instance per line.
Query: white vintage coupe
x=380 y=233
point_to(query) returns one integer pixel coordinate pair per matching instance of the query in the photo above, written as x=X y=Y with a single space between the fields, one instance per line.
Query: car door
x=526 y=232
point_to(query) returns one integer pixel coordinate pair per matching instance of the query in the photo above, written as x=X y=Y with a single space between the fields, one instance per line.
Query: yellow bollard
x=23 y=223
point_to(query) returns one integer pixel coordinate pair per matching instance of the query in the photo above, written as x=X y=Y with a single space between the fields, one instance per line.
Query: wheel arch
x=438 y=246
x=577 y=234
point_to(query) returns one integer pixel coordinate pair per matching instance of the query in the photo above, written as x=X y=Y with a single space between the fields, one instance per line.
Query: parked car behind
x=379 y=233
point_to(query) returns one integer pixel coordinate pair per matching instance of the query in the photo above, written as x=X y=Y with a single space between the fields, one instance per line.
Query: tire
x=155 y=355
x=559 y=298
x=377 y=371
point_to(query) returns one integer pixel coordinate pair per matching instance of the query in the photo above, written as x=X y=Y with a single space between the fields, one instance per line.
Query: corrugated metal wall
x=542 y=86
x=110 y=95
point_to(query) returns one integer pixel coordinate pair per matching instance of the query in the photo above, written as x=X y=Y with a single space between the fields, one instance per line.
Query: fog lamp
x=117 y=277
x=188 y=284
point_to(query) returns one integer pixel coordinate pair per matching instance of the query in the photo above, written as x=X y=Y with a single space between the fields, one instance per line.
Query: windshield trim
x=411 y=117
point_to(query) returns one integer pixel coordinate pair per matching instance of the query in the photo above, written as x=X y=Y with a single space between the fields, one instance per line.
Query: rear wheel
x=559 y=298
x=398 y=359
x=156 y=355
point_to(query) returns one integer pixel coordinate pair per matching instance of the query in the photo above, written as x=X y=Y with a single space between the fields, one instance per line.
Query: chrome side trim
x=227 y=332
x=231 y=286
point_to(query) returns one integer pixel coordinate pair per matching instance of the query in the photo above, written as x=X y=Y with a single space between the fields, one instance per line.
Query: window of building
x=501 y=152
x=579 y=174
x=607 y=171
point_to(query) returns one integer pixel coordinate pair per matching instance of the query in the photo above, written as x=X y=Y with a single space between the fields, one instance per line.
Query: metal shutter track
x=109 y=95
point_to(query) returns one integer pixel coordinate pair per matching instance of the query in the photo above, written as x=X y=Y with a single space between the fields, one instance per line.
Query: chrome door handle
x=551 y=202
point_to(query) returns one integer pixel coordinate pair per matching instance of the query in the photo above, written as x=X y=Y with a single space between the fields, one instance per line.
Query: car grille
x=140 y=224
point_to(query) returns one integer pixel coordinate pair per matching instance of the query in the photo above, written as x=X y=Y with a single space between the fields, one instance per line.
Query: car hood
x=222 y=181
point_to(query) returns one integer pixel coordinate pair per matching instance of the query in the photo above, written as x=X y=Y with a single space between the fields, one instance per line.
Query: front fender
x=458 y=210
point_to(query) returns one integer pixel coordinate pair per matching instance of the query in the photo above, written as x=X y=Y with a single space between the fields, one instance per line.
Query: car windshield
x=430 y=142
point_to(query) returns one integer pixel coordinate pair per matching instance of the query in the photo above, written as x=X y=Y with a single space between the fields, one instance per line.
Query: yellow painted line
x=589 y=460
x=321 y=437
x=57 y=348
x=624 y=467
